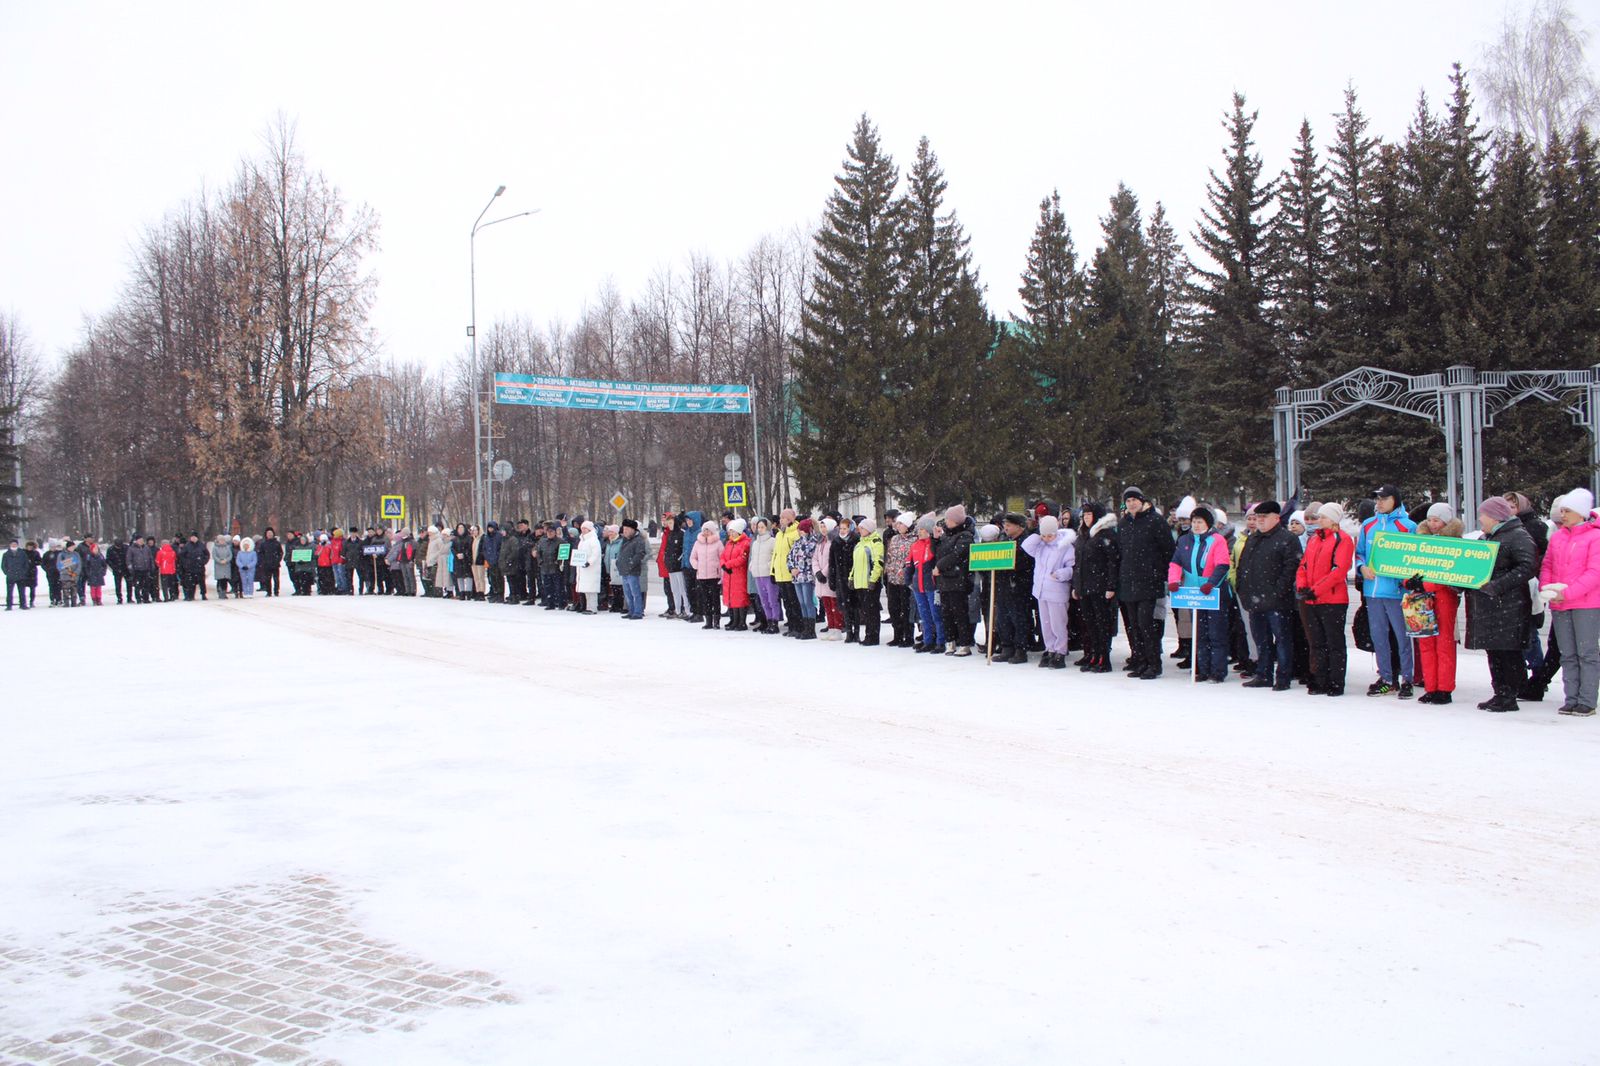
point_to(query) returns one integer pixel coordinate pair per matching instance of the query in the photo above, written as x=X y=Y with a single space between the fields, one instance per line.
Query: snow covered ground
x=654 y=844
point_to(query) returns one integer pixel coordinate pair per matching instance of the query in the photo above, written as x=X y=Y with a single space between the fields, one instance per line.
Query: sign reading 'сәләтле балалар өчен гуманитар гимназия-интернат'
x=1441 y=560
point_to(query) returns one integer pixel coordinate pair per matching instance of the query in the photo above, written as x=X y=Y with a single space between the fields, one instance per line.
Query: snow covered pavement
x=380 y=831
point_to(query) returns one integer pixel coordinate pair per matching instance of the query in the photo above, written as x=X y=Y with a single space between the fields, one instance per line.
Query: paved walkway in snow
x=381 y=831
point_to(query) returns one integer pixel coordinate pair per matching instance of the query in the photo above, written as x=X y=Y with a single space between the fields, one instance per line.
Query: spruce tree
x=1082 y=389
x=943 y=353
x=1301 y=264
x=1352 y=242
x=1121 y=319
x=1461 y=237
x=1235 y=362
x=851 y=330
x=1531 y=447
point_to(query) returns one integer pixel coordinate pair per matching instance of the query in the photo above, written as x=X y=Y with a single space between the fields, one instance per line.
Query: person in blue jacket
x=1382 y=595
x=691 y=531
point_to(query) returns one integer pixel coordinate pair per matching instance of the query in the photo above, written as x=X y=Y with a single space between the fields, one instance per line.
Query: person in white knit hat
x=1569 y=580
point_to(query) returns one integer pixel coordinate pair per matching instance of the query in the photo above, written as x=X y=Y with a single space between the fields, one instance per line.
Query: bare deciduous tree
x=1535 y=77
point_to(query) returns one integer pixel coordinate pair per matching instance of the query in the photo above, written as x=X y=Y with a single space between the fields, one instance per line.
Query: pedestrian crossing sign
x=392 y=508
x=733 y=494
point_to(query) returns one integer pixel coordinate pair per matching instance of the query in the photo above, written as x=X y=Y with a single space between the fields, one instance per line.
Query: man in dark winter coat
x=140 y=560
x=632 y=558
x=269 y=561
x=193 y=558
x=117 y=563
x=1014 y=597
x=1267 y=566
x=514 y=562
x=1500 y=612
x=17 y=565
x=549 y=556
x=489 y=546
x=1144 y=543
x=953 y=579
x=1094 y=584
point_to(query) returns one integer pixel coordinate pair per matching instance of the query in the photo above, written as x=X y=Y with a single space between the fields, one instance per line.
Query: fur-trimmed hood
x=1104 y=523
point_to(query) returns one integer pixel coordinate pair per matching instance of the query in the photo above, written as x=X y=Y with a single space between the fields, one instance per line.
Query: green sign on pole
x=564 y=552
x=1442 y=560
x=995 y=555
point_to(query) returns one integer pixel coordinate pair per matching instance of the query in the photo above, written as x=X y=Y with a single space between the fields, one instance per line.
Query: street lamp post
x=482 y=489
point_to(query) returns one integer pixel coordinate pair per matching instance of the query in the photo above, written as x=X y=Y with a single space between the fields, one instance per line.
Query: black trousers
x=1144 y=633
x=957 y=618
x=517 y=587
x=120 y=580
x=191 y=583
x=21 y=592
x=867 y=615
x=1508 y=671
x=492 y=577
x=901 y=613
x=269 y=581
x=1014 y=626
x=169 y=587
x=791 y=602
x=1325 y=633
x=1099 y=626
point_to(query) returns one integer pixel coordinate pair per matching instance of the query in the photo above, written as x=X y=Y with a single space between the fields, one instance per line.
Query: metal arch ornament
x=1461 y=402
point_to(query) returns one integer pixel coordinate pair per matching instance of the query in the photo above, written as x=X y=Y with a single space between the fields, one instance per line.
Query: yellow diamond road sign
x=620 y=502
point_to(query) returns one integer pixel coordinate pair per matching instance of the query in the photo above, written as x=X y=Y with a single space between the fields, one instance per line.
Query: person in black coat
x=953 y=578
x=1500 y=612
x=1265 y=588
x=117 y=563
x=1094 y=584
x=1014 y=597
x=841 y=557
x=193 y=558
x=18 y=566
x=269 y=561
x=1144 y=543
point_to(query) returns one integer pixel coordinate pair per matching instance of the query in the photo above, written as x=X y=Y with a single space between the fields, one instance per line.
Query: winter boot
x=1019 y=656
x=949 y=649
x=1182 y=652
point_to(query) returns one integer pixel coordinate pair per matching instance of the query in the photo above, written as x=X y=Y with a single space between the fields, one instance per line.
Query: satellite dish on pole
x=501 y=470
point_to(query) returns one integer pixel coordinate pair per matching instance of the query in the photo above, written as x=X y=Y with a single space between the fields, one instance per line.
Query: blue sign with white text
x=1190 y=598
x=539 y=390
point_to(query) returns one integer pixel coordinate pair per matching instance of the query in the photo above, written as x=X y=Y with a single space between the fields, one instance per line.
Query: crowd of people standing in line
x=1283 y=577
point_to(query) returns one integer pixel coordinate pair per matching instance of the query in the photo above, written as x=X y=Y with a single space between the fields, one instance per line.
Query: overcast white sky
x=649 y=130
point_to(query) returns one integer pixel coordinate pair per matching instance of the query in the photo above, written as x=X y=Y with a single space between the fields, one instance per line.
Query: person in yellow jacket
x=784 y=539
x=866 y=577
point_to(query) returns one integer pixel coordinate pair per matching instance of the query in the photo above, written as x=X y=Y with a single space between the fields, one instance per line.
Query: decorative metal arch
x=1461 y=402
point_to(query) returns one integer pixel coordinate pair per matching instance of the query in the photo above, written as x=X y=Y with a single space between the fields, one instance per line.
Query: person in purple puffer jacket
x=1053 y=559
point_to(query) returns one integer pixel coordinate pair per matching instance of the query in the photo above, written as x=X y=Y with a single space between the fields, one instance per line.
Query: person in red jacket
x=667 y=519
x=1438 y=652
x=1323 y=585
x=167 y=567
x=736 y=573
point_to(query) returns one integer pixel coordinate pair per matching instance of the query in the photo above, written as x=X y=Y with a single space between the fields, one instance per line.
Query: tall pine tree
x=946 y=443
x=851 y=331
x=1302 y=263
x=1082 y=389
x=1235 y=361
x=1122 y=324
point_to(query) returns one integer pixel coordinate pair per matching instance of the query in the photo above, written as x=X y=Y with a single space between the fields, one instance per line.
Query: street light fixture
x=482 y=498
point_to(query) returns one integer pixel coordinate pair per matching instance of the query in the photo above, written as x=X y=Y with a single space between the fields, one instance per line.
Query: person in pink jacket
x=1569 y=583
x=706 y=559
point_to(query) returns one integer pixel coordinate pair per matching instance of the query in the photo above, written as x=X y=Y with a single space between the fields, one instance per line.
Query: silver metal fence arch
x=1461 y=402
